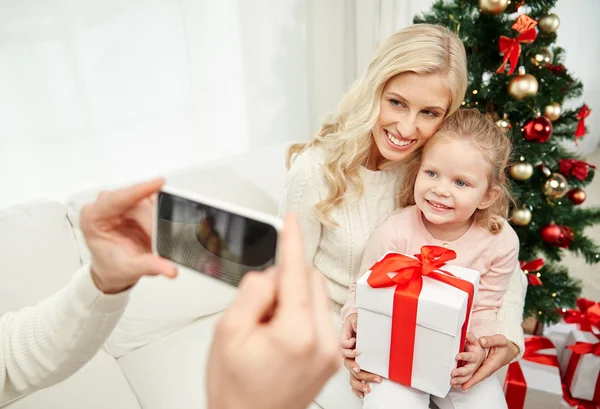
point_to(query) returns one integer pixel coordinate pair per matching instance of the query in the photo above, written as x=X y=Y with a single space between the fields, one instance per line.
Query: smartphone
x=219 y=239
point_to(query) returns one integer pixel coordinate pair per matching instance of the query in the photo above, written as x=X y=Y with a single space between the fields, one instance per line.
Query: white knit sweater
x=337 y=253
x=45 y=344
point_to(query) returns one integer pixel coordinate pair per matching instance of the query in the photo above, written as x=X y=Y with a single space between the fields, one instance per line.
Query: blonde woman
x=343 y=183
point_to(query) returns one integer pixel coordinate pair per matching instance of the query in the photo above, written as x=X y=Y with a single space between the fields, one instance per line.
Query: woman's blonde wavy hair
x=345 y=135
x=492 y=142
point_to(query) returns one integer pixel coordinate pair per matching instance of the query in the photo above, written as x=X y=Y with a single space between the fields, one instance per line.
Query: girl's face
x=412 y=109
x=452 y=183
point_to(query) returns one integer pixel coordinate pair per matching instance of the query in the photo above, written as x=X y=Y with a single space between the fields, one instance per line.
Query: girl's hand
x=358 y=379
x=348 y=337
x=474 y=356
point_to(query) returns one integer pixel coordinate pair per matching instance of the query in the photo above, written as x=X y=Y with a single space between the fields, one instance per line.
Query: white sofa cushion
x=158 y=306
x=38 y=253
x=165 y=376
x=100 y=384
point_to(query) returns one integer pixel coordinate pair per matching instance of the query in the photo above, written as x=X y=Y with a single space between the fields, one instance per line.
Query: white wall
x=96 y=93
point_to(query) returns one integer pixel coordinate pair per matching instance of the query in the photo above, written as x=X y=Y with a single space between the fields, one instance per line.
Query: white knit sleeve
x=301 y=196
x=510 y=315
x=45 y=344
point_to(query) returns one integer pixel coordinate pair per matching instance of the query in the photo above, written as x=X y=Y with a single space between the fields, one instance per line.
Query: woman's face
x=412 y=109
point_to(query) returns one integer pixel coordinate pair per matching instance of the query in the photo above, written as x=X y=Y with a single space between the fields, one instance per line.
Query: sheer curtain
x=99 y=93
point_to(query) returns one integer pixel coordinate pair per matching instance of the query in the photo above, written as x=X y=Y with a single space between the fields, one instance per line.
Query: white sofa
x=156 y=357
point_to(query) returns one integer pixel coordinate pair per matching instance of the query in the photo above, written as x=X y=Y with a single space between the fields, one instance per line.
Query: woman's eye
x=430 y=173
x=431 y=114
x=397 y=103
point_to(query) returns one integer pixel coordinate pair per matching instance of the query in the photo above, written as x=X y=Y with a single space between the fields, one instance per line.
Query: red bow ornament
x=556 y=69
x=582 y=375
x=530 y=269
x=407 y=274
x=511 y=47
x=577 y=168
x=582 y=115
x=587 y=315
x=515 y=383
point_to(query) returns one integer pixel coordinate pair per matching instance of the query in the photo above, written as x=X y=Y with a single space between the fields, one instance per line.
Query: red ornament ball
x=577 y=195
x=538 y=129
x=560 y=236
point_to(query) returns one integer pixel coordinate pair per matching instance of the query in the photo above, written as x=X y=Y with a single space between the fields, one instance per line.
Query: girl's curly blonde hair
x=482 y=132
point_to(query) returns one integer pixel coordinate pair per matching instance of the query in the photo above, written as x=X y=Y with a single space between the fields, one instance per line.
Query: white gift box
x=558 y=334
x=544 y=389
x=585 y=376
x=441 y=313
x=565 y=405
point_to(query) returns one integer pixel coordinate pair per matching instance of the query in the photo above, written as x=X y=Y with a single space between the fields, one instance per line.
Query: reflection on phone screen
x=211 y=240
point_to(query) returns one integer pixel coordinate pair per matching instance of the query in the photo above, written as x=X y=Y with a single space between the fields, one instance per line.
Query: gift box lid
x=441 y=306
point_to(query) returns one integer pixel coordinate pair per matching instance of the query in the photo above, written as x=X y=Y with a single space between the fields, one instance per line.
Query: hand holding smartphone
x=219 y=239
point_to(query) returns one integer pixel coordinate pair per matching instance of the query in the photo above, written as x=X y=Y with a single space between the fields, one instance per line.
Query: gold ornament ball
x=556 y=186
x=523 y=86
x=548 y=24
x=552 y=111
x=521 y=217
x=504 y=124
x=493 y=6
x=521 y=170
x=542 y=57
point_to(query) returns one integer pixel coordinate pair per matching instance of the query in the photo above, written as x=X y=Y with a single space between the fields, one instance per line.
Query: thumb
x=354 y=321
x=152 y=265
x=498 y=340
x=346 y=330
x=471 y=338
x=254 y=303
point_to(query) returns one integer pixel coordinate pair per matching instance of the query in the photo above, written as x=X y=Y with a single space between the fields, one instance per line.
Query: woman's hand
x=502 y=352
x=473 y=357
x=358 y=378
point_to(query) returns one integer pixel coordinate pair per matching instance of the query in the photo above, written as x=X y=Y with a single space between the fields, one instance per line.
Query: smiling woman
x=343 y=183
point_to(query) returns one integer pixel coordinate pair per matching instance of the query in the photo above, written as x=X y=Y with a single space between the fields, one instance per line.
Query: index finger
x=294 y=273
x=120 y=201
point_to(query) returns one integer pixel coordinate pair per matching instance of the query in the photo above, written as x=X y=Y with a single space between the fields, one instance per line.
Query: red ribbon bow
x=581 y=115
x=516 y=389
x=586 y=315
x=577 y=403
x=408 y=279
x=577 y=168
x=511 y=47
x=530 y=268
x=584 y=348
x=580 y=349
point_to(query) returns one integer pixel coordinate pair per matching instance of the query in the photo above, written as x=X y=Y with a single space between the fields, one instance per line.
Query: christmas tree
x=517 y=76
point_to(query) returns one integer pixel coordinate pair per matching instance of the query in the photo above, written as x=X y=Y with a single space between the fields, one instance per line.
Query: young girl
x=454 y=195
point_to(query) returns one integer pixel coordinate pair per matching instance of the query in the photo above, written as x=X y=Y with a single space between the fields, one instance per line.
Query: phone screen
x=212 y=241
